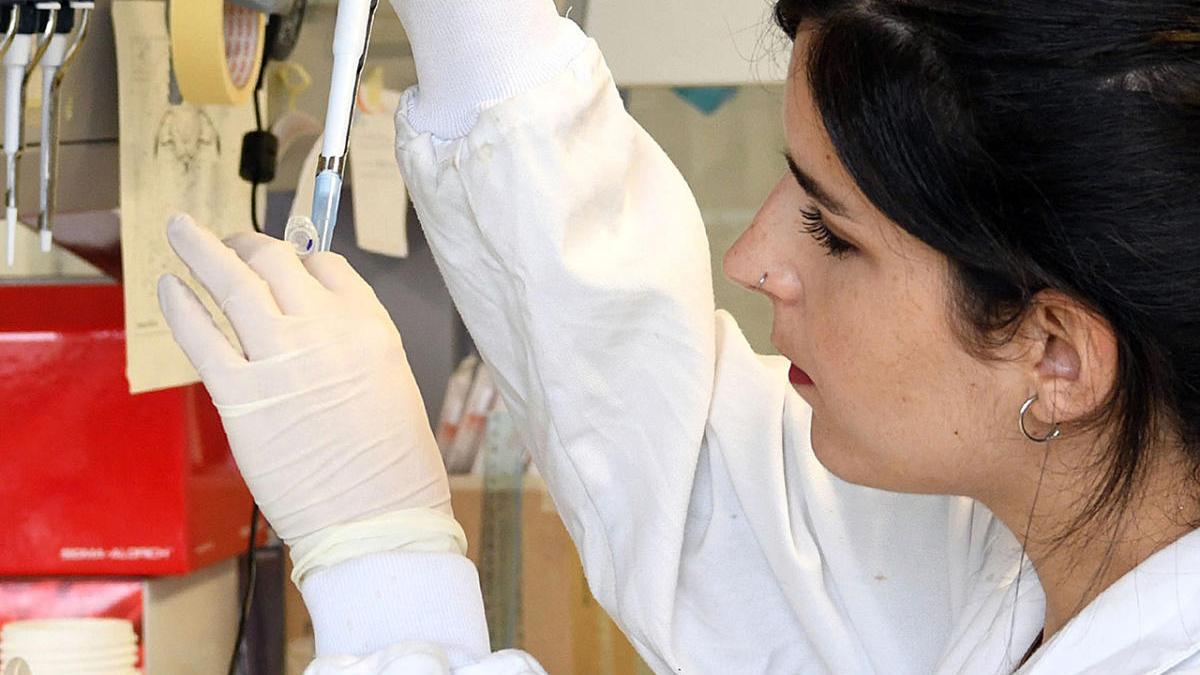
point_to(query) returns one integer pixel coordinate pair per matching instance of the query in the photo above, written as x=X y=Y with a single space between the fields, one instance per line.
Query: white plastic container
x=70 y=646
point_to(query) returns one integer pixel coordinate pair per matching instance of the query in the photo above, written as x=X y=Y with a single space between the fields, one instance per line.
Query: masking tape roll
x=216 y=50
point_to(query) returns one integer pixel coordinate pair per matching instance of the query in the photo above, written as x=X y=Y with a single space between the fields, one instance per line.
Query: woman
x=984 y=270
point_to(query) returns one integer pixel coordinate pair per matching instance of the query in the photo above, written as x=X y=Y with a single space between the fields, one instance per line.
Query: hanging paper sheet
x=174 y=157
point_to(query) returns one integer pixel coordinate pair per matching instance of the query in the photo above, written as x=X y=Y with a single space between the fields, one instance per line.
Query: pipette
x=19 y=64
x=58 y=57
x=351 y=35
x=10 y=15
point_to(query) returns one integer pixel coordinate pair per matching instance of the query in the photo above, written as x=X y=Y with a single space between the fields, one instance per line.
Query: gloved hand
x=322 y=412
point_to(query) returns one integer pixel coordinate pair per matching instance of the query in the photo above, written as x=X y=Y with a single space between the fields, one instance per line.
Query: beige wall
x=31 y=264
x=731 y=159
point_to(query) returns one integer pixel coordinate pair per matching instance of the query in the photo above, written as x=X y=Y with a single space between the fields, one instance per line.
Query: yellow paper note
x=380 y=198
x=305 y=182
x=173 y=158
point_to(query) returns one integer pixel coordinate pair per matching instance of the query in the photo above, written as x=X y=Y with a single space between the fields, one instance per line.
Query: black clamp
x=260 y=148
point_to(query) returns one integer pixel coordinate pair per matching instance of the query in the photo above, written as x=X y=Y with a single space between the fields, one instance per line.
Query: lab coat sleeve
x=679 y=460
x=404 y=613
x=423 y=659
x=577 y=257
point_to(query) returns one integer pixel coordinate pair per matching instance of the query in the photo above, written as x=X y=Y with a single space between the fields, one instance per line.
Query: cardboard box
x=94 y=481
x=562 y=625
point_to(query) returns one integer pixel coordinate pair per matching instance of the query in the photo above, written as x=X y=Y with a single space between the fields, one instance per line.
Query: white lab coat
x=680 y=460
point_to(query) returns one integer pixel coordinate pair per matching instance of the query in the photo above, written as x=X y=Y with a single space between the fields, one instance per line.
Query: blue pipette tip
x=327 y=193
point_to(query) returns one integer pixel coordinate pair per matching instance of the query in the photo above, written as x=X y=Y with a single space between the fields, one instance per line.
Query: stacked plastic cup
x=70 y=646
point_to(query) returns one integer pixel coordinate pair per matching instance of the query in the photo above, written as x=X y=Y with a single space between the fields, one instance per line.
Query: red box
x=93 y=480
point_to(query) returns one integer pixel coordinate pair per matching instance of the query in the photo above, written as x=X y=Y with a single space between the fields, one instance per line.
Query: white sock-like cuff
x=369 y=603
x=470 y=54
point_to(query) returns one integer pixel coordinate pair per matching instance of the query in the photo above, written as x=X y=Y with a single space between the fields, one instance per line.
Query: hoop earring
x=761 y=282
x=1054 y=433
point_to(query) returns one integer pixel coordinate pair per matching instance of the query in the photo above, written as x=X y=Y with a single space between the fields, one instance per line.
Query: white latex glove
x=322 y=412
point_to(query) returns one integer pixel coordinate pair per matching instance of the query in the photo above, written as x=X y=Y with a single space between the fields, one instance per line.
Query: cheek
x=891 y=408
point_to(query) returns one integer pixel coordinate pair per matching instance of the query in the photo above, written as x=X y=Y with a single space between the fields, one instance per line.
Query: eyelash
x=814 y=225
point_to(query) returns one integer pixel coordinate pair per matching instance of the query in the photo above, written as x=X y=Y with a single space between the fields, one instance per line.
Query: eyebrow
x=813 y=188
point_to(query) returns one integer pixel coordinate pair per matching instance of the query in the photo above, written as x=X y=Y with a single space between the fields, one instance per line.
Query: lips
x=799 y=377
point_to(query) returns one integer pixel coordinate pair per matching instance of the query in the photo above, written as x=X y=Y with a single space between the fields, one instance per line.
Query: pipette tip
x=11 y=249
x=327 y=192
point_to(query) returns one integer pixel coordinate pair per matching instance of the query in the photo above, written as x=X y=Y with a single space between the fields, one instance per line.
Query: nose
x=751 y=261
x=739 y=264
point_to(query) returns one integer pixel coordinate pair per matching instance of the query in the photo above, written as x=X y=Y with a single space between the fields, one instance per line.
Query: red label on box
x=60 y=599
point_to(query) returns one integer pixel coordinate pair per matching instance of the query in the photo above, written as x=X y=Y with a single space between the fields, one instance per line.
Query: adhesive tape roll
x=216 y=50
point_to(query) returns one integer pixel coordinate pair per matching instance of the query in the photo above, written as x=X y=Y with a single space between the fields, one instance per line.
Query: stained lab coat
x=680 y=460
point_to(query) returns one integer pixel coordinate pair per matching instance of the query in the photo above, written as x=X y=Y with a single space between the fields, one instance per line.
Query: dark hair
x=1038 y=145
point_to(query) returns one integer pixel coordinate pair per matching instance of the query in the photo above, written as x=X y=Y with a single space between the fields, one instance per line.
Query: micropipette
x=10 y=13
x=351 y=35
x=19 y=64
x=57 y=58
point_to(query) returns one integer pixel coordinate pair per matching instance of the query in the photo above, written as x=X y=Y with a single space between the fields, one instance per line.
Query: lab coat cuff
x=368 y=603
x=472 y=54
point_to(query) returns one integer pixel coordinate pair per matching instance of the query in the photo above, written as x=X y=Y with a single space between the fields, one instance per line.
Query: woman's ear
x=1072 y=360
